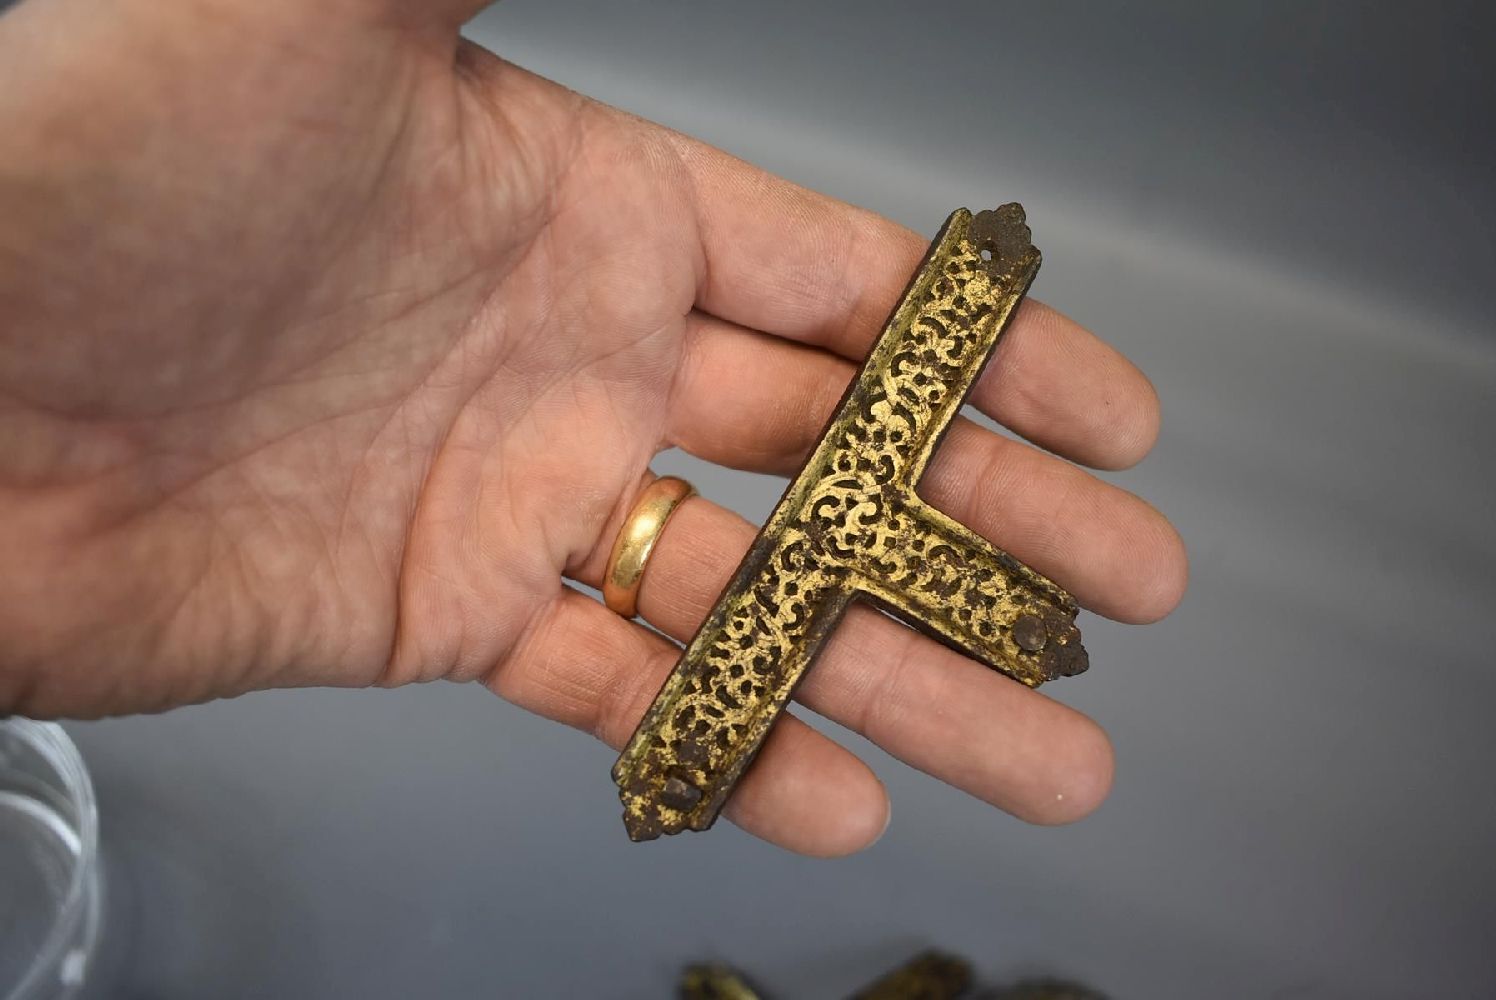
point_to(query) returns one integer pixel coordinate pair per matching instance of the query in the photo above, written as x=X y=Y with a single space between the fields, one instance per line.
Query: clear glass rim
x=54 y=746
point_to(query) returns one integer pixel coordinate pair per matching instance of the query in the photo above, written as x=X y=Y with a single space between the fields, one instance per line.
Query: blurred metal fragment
x=1042 y=989
x=715 y=982
x=930 y=975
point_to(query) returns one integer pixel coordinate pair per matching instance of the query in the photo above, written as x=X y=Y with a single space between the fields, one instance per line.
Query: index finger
x=782 y=259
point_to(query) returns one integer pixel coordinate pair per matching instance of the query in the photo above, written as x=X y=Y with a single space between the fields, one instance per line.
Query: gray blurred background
x=1284 y=214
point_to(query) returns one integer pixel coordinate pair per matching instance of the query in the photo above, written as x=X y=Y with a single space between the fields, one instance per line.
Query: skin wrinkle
x=398 y=669
x=534 y=636
x=255 y=581
x=536 y=571
x=124 y=518
x=628 y=348
x=618 y=713
x=701 y=265
x=405 y=311
x=611 y=700
x=312 y=271
x=484 y=74
x=399 y=417
x=113 y=445
x=570 y=691
x=387 y=166
x=392 y=666
x=222 y=568
x=883 y=703
x=398 y=414
x=593 y=305
x=588 y=568
x=685 y=373
x=594 y=511
x=143 y=628
x=854 y=249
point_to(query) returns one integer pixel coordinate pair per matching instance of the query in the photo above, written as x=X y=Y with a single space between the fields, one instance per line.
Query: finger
x=1063 y=388
x=1050 y=381
x=779 y=258
x=583 y=665
x=1116 y=553
x=1110 y=548
x=927 y=705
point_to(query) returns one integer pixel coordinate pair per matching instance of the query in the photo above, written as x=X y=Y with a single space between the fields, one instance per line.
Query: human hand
x=332 y=345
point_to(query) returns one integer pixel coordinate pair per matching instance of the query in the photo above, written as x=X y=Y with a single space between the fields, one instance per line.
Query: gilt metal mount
x=850 y=526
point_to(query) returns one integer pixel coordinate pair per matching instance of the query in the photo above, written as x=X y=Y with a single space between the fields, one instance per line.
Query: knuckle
x=624 y=702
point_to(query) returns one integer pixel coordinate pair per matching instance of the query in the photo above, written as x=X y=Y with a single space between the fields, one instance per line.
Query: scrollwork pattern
x=852 y=526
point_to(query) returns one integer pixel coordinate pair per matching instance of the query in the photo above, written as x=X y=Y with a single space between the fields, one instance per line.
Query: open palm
x=332 y=346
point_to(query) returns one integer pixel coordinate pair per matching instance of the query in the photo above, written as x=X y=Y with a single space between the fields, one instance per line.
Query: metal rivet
x=679 y=794
x=1029 y=632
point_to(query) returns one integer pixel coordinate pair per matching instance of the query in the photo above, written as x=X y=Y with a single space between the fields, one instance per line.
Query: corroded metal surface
x=850 y=526
x=927 y=976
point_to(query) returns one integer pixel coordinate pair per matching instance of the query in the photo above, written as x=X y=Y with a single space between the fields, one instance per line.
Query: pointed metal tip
x=1004 y=231
x=640 y=828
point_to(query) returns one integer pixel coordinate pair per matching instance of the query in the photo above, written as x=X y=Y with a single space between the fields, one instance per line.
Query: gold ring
x=636 y=540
